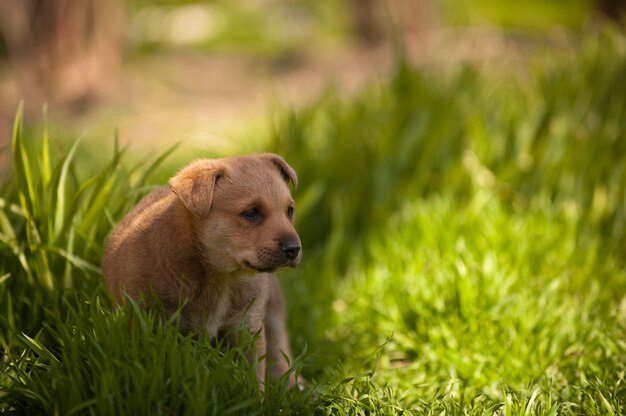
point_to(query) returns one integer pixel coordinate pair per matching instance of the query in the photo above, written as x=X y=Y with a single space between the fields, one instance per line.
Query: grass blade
x=38 y=348
x=75 y=260
x=46 y=170
x=21 y=163
x=60 y=210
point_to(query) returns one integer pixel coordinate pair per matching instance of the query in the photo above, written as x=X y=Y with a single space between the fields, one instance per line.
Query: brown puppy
x=209 y=242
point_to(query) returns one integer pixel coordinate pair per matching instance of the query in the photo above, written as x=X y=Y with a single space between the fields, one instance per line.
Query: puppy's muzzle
x=287 y=252
x=291 y=248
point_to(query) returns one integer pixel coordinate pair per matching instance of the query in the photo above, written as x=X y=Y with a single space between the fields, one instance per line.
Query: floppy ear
x=194 y=186
x=286 y=171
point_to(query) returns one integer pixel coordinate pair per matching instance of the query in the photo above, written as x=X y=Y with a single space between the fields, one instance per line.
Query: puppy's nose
x=291 y=249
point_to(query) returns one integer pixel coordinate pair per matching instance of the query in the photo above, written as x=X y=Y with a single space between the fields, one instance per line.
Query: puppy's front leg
x=278 y=351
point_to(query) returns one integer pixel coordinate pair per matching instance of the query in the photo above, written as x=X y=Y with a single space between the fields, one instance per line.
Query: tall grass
x=556 y=130
x=562 y=136
x=53 y=224
x=134 y=362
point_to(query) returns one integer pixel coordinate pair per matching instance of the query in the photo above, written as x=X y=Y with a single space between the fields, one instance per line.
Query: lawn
x=464 y=244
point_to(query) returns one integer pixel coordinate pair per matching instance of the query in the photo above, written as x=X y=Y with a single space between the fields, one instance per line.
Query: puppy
x=208 y=244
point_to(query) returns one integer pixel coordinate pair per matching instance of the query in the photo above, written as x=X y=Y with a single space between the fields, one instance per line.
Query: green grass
x=494 y=304
x=464 y=240
x=522 y=15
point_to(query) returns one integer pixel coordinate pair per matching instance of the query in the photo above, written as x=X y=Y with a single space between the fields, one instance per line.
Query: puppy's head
x=243 y=211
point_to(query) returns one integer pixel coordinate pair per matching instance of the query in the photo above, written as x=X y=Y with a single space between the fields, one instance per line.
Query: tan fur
x=191 y=245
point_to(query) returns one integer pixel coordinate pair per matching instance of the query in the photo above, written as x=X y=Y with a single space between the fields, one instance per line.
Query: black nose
x=291 y=249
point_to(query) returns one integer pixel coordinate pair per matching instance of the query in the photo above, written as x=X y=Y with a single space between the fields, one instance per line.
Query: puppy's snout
x=291 y=248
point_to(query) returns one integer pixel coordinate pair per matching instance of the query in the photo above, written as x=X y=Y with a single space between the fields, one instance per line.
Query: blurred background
x=212 y=73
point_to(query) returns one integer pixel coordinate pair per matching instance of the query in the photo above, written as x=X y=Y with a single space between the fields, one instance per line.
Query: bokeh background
x=208 y=73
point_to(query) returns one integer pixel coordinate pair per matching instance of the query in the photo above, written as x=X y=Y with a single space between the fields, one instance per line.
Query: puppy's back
x=132 y=260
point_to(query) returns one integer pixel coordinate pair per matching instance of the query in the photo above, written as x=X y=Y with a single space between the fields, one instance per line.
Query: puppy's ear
x=286 y=171
x=194 y=186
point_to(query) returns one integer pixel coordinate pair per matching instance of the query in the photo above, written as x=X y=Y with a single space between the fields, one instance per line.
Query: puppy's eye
x=252 y=214
x=290 y=212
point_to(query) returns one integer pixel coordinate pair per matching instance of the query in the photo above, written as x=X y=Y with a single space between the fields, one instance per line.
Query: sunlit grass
x=476 y=303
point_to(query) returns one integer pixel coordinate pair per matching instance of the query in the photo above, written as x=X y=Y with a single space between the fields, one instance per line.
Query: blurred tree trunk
x=374 y=21
x=62 y=52
x=613 y=9
x=367 y=20
x=65 y=52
